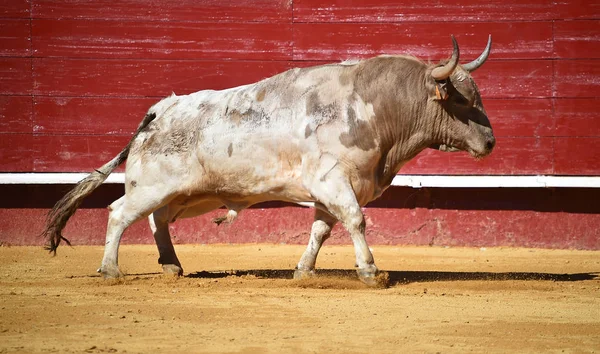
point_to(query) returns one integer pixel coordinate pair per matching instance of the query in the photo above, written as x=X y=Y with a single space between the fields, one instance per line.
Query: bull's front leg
x=321 y=230
x=335 y=192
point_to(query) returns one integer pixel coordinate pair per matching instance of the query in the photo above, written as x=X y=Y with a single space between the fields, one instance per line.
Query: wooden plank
x=15 y=8
x=576 y=9
x=74 y=153
x=550 y=218
x=82 y=153
x=520 y=117
x=89 y=115
x=15 y=76
x=120 y=116
x=508 y=79
x=511 y=156
x=577 y=78
x=577 y=117
x=168 y=40
x=16 y=153
x=15 y=114
x=577 y=39
x=339 y=41
x=129 y=78
x=577 y=156
x=409 y=10
x=515 y=79
x=82 y=77
x=14 y=38
x=166 y=10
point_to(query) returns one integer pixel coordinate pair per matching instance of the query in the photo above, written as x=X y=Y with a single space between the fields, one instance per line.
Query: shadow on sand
x=403 y=277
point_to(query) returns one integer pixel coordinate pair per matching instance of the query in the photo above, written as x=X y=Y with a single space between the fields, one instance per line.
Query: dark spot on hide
x=235 y=116
x=261 y=95
x=230 y=149
x=133 y=183
x=314 y=107
x=307 y=131
x=250 y=114
x=175 y=140
x=359 y=133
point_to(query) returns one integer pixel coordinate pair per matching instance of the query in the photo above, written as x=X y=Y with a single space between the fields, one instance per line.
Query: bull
x=330 y=137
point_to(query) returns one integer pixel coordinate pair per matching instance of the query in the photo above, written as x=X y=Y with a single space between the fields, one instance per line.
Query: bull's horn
x=443 y=72
x=472 y=66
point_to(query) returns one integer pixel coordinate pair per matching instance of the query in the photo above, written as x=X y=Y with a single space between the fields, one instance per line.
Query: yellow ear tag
x=438 y=94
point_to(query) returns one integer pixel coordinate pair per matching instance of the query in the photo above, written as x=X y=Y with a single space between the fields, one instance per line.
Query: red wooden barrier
x=167 y=10
x=76 y=77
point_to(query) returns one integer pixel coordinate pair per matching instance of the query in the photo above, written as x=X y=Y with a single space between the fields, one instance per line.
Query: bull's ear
x=437 y=90
x=441 y=90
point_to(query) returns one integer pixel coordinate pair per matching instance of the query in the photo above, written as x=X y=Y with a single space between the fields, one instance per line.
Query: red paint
x=167 y=10
x=15 y=114
x=515 y=79
x=82 y=153
x=520 y=117
x=15 y=8
x=170 y=40
x=576 y=78
x=511 y=156
x=577 y=117
x=100 y=77
x=15 y=76
x=16 y=153
x=78 y=153
x=412 y=11
x=96 y=67
x=577 y=39
x=120 y=116
x=576 y=156
x=576 y=10
x=14 y=38
x=339 y=41
x=385 y=226
x=131 y=78
x=89 y=115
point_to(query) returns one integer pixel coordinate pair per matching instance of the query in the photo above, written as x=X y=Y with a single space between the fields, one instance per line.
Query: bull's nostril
x=490 y=144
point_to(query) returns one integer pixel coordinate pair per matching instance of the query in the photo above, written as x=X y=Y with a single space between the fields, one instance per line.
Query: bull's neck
x=408 y=134
x=397 y=89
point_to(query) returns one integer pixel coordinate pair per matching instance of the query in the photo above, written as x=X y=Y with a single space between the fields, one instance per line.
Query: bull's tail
x=62 y=211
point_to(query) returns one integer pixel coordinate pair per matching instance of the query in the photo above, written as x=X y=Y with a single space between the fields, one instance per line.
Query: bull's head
x=465 y=125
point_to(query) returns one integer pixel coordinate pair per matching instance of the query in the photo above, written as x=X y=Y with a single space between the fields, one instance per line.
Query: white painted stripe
x=418 y=181
x=415 y=181
x=53 y=178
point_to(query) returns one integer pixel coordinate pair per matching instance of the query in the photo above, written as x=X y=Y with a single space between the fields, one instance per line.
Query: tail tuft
x=62 y=211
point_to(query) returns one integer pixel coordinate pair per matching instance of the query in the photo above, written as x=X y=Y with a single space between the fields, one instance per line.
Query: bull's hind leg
x=321 y=230
x=124 y=212
x=159 y=224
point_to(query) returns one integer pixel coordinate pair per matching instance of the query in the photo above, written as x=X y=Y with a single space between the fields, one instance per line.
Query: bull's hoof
x=172 y=270
x=111 y=272
x=219 y=220
x=303 y=274
x=374 y=279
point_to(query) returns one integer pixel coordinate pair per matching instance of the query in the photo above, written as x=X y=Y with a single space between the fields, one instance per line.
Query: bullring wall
x=77 y=76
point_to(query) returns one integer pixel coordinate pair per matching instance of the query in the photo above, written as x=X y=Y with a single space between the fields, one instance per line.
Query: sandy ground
x=240 y=299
